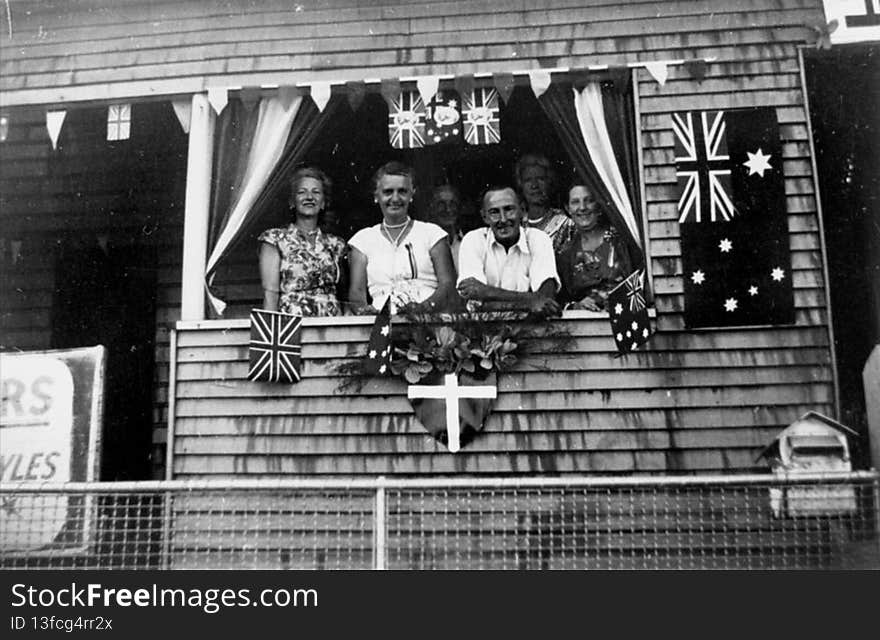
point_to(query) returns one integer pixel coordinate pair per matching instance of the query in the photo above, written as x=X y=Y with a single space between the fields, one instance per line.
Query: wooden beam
x=197 y=208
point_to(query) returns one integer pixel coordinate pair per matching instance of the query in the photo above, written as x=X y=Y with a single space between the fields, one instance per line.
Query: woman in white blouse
x=401 y=258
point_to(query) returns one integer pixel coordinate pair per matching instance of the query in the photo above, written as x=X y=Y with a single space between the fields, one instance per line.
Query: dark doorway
x=125 y=196
x=844 y=94
x=107 y=295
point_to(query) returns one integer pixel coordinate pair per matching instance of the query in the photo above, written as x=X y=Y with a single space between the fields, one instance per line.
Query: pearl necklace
x=402 y=226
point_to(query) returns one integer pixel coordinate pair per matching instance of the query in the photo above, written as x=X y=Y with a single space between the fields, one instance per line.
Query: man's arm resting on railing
x=540 y=301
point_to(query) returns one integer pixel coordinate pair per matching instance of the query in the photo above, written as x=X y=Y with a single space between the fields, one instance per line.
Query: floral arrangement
x=476 y=344
x=445 y=349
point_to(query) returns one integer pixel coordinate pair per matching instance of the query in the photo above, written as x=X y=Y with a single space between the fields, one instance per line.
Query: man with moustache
x=507 y=266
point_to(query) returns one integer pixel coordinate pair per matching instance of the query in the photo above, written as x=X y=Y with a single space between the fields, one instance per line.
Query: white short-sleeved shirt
x=405 y=272
x=525 y=267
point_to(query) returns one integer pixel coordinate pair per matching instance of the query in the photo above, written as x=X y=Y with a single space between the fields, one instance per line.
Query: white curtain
x=591 y=118
x=273 y=126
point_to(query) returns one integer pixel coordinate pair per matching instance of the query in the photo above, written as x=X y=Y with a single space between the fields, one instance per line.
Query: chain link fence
x=718 y=522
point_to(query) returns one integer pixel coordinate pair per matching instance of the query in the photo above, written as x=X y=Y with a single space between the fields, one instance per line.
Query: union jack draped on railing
x=274 y=348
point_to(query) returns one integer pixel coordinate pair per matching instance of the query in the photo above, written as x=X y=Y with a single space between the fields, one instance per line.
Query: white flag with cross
x=451 y=393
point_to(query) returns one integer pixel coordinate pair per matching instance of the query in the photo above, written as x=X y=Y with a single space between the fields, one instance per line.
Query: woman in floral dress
x=300 y=265
x=596 y=260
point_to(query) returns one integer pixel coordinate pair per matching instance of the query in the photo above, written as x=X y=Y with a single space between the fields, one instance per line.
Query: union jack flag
x=630 y=323
x=406 y=120
x=481 y=121
x=274 y=347
x=703 y=166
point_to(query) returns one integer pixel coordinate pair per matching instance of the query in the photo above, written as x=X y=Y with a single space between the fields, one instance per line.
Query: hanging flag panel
x=443 y=118
x=734 y=229
x=482 y=123
x=406 y=120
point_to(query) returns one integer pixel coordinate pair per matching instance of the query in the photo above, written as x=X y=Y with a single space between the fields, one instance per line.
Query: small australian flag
x=378 y=358
x=626 y=306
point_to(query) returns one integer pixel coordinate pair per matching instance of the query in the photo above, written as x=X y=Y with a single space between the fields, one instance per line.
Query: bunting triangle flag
x=390 y=89
x=428 y=86
x=482 y=124
x=183 y=111
x=54 y=120
x=357 y=91
x=406 y=120
x=320 y=94
x=659 y=71
x=464 y=84
x=218 y=97
x=286 y=96
x=539 y=81
x=504 y=83
x=250 y=97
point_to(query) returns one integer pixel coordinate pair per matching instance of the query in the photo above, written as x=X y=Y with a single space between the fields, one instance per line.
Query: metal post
x=379 y=526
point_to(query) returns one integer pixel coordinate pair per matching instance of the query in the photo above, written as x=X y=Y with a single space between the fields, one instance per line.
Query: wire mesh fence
x=720 y=522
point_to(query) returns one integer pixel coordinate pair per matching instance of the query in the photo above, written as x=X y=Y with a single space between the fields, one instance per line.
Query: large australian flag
x=731 y=209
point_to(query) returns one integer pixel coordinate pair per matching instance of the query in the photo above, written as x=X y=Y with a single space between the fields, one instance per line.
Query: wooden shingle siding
x=695 y=401
x=151 y=48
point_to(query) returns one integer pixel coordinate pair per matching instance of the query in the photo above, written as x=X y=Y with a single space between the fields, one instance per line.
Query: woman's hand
x=364 y=310
x=587 y=304
x=543 y=305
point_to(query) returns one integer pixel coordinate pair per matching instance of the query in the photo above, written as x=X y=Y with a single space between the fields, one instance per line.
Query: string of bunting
x=426 y=114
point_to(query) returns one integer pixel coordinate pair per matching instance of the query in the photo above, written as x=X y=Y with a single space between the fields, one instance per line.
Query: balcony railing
x=675 y=522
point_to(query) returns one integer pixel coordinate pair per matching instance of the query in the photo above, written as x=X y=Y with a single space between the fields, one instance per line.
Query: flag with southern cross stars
x=626 y=306
x=443 y=118
x=378 y=358
x=275 y=347
x=732 y=218
x=406 y=120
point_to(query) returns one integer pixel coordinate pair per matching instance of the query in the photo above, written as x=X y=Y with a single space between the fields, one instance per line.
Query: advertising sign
x=50 y=424
x=857 y=20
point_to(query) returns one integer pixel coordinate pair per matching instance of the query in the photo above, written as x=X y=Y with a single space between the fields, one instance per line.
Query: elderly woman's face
x=535 y=184
x=308 y=197
x=583 y=208
x=445 y=208
x=393 y=195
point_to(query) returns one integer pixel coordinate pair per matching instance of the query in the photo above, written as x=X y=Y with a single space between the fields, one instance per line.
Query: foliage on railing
x=477 y=344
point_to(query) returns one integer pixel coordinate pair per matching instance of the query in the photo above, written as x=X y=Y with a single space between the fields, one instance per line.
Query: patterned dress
x=308 y=274
x=557 y=225
x=593 y=274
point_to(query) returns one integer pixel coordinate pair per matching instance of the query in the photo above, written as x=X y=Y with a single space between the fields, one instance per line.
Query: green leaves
x=421 y=350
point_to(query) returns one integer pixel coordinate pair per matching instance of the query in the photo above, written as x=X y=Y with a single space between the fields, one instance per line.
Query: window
x=349 y=144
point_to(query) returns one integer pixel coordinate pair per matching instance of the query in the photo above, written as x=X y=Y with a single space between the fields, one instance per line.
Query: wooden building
x=94 y=233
